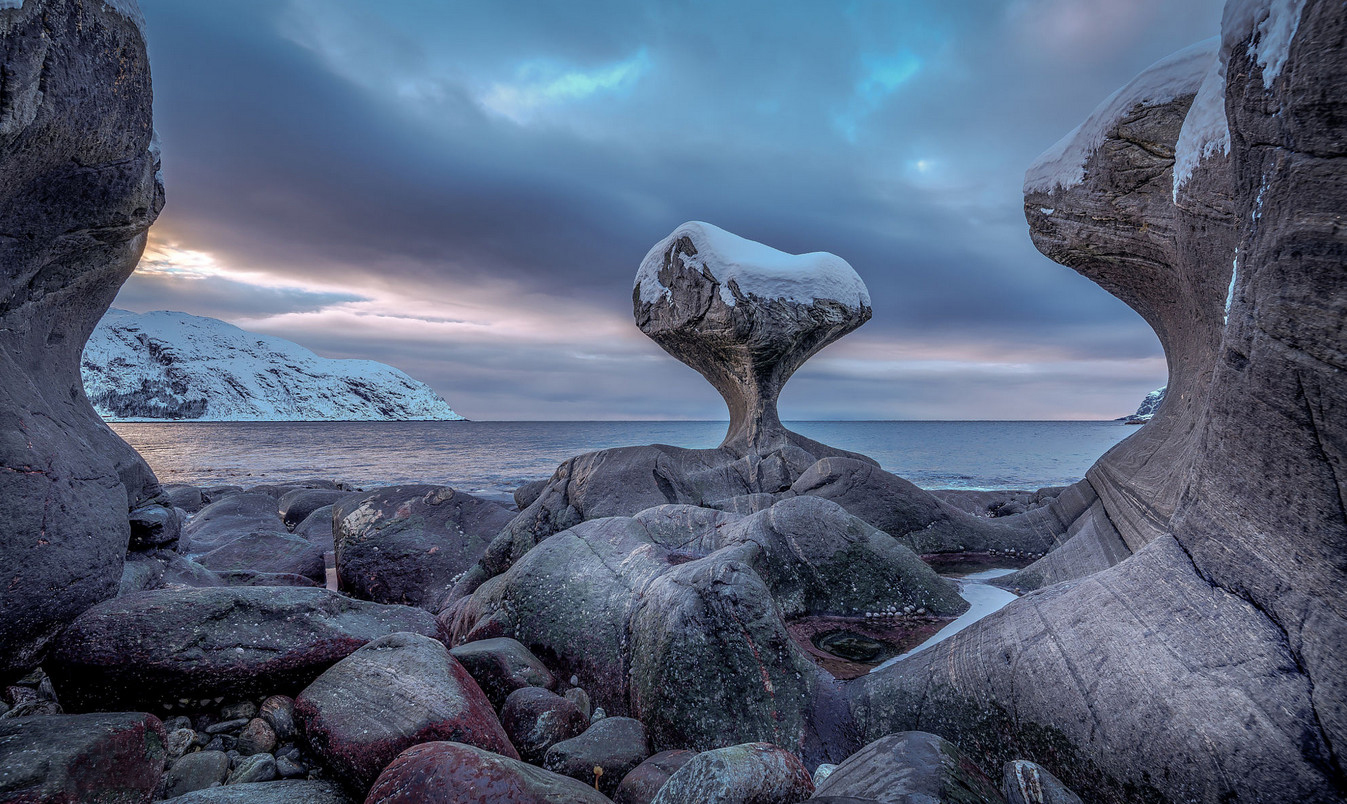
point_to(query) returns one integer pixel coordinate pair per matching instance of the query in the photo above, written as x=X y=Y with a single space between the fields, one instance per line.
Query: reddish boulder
x=392 y=694
x=644 y=783
x=81 y=759
x=537 y=719
x=453 y=773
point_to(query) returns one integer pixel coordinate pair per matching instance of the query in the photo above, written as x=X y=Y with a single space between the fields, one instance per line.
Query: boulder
x=911 y=766
x=198 y=643
x=454 y=773
x=78 y=190
x=643 y=783
x=81 y=759
x=317 y=528
x=537 y=719
x=676 y=616
x=155 y=526
x=269 y=553
x=407 y=544
x=615 y=745
x=234 y=516
x=395 y=692
x=188 y=498
x=282 y=792
x=297 y=505
x=501 y=666
x=1025 y=782
x=751 y=773
x=196 y=772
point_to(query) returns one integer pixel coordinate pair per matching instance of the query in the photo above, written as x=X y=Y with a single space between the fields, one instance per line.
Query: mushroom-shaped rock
x=78 y=190
x=745 y=316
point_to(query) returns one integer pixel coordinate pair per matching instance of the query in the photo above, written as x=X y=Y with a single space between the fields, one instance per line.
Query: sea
x=492 y=458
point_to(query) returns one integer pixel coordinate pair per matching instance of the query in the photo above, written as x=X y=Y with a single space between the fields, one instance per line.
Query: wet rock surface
x=613 y=745
x=1025 y=782
x=643 y=783
x=537 y=719
x=278 y=792
x=503 y=665
x=395 y=692
x=453 y=773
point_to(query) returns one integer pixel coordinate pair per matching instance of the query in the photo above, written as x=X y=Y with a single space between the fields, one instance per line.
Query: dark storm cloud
x=468 y=152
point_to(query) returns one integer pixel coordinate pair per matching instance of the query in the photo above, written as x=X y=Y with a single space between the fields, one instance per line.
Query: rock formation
x=1208 y=665
x=78 y=189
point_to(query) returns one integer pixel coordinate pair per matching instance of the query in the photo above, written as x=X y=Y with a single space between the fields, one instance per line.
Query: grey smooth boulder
x=78 y=190
x=158 y=646
x=317 y=528
x=196 y=772
x=105 y=758
x=501 y=666
x=395 y=692
x=751 y=773
x=677 y=616
x=234 y=516
x=407 y=544
x=453 y=773
x=615 y=745
x=188 y=498
x=1025 y=782
x=281 y=792
x=268 y=553
x=155 y=526
x=908 y=767
x=537 y=719
x=252 y=769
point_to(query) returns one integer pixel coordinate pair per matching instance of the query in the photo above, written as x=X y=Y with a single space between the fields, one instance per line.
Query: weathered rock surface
x=752 y=773
x=267 y=553
x=107 y=758
x=675 y=616
x=537 y=719
x=78 y=190
x=1025 y=782
x=616 y=745
x=157 y=646
x=398 y=691
x=642 y=784
x=501 y=666
x=1206 y=666
x=453 y=773
x=282 y=792
x=407 y=544
x=911 y=766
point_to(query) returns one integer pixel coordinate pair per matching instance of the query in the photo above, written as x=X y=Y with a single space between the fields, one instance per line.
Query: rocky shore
x=737 y=624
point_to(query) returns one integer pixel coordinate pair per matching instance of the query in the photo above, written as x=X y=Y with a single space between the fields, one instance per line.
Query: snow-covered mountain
x=1147 y=408
x=167 y=365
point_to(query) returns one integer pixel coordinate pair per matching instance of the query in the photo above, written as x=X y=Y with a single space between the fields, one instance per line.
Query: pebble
x=256 y=768
x=257 y=738
x=598 y=715
x=179 y=722
x=179 y=740
x=288 y=768
x=222 y=742
x=279 y=712
x=580 y=698
x=225 y=726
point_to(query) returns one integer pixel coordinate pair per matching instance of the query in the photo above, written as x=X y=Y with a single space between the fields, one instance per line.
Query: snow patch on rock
x=129 y=9
x=174 y=366
x=1181 y=73
x=1205 y=130
x=756 y=269
x=1274 y=21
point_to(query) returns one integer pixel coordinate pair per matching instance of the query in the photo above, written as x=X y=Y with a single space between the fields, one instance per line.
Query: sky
x=465 y=190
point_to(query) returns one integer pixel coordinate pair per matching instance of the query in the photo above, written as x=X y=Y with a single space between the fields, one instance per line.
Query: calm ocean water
x=494 y=457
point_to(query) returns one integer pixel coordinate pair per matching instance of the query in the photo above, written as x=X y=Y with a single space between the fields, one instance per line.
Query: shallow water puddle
x=983 y=599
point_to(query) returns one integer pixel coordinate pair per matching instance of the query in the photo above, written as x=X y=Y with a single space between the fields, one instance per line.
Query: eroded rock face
x=1207 y=665
x=78 y=190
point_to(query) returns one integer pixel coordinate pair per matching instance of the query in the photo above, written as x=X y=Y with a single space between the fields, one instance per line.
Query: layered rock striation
x=78 y=189
x=1207 y=666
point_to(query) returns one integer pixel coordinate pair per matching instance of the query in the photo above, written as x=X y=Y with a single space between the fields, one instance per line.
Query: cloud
x=542 y=84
